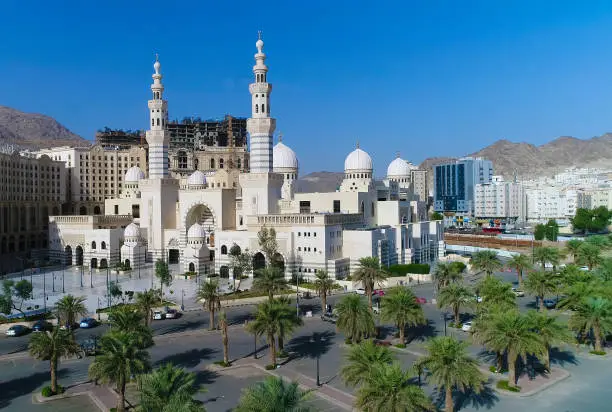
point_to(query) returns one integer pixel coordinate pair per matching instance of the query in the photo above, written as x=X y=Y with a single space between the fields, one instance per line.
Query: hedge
x=413 y=268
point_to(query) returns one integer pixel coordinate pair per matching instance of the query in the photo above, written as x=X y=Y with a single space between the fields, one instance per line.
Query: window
x=299 y=248
x=93 y=245
x=304 y=206
x=116 y=209
x=299 y=233
x=336 y=206
x=136 y=211
x=103 y=245
x=221 y=163
x=224 y=250
x=256 y=109
x=212 y=163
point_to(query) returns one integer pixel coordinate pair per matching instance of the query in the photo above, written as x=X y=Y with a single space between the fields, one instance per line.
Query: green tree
x=550 y=331
x=539 y=232
x=361 y=359
x=128 y=320
x=14 y=295
x=162 y=272
x=271 y=320
x=542 y=284
x=274 y=395
x=601 y=218
x=513 y=333
x=552 y=230
x=520 y=263
x=604 y=270
x=494 y=291
x=270 y=279
x=593 y=314
x=437 y=216
x=52 y=346
x=369 y=273
x=145 y=302
x=289 y=321
x=121 y=357
x=399 y=305
x=450 y=367
x=324 y=285
x=168 y=389
x=268 y=244
x=588 y=255
x=445 y=273
x=208 y=294
x=241 y=263
x=389 y=389
x=601 y=241
x=68 y=309
x=355 y=320
x=571 y=247
x=595 y=220
x=455 y=297
x=574 y=294
x=487 y=261
x=545 y=255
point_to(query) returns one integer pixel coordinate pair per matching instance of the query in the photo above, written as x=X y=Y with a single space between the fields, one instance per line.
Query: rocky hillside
x=319 y=182
x=34 y=131
x=530 y=161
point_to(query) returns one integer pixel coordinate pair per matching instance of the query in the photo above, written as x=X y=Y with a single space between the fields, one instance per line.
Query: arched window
x=158 y=121
x=224 y=250
x=103 y=245
x=212 y=163
x=93 y=245
x=373 y=210
x=221 y=163
x=256 y=109
x=182 y=159
x=263 y=108
x=152 y=122
x=239 y=163
x=196 y=163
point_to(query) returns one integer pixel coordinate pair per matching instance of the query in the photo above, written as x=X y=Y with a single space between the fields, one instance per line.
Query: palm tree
x=574 y=294
x=223 y=325
x=445 y=273
x=273 y=395
x=520 y=263
x=513 y=333
x=354 y=318
x=545 y=255
x=589 y=255
x=389 y=389
x=571 y=274
x=168 y=389
x=369 y=274
x=120 y=359
x=572 y=246
x=208 y=294
x=593 y=314
x=401 y=307
x=52 y=346
x=127 y=320
x=324 y=285
x=487 y=261
x=288 y=321
x=455 y=296
x=550 y=332
x=69 y=308
x=269 y=279
x=450 y=367
x=271 y=320
x=360 y=361
x=541 y=284
x=604 y=270
x=494 y=291
x=145 y=302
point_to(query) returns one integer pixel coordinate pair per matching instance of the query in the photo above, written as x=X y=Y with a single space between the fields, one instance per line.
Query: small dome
x=259 y=45
x=133 y=175
x=358 y=160
x=196 y=231
x=283 y=157
x=197 y=178
x=132 y=230
x=398 y=168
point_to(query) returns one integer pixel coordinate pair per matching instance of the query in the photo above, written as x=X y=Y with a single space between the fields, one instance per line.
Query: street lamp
x=182 y=299
x=90 y=277
x=313 y=340
x=297 y=295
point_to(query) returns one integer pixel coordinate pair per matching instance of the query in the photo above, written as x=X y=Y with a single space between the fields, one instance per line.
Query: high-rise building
x=420 y=184
x=455 y=184
x=500 y=202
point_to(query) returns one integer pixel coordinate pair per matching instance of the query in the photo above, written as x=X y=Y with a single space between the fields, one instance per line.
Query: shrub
x=402 y=270
x=222 y=363
x=46 y=391
x=270 y=367
x=504 y=385
x=458 y=266
x=400 y=345
x=494 y=369
x=348 y=341
x=597 y=352
x=283 y=354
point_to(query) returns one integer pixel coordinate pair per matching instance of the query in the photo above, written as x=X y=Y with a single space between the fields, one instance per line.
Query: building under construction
x=198 y=134
x=120 y=139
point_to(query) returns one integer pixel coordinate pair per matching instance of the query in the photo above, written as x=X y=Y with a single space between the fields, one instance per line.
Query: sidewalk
x=104 y=397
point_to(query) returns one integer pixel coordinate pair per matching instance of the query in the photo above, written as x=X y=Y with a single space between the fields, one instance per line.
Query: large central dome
x=358 y=160
x=284 y=157
x=398 y=168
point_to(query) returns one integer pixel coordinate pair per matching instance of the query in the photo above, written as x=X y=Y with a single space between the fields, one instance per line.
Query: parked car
x=420 y=300
x=158 y=315
x=378 y=292
x=41 y=326
x=360 y=291
x=89 y=347
x=87 y=323
x=172 y=314
x=66 y=326
x=478 y=298
x=467 y=326
x=518 y=293
x=550 y=303
x=17 y=330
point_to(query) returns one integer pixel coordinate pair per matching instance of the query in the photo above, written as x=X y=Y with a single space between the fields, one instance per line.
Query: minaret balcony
x=260 y=88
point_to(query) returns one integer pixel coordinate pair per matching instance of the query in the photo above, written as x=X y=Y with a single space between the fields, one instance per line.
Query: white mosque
x=194 y=222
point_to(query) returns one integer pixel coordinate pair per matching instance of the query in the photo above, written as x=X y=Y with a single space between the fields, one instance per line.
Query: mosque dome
x=133 y=175
x=358 y=160
x=132 y=231
x=284 y=157
x=398 y=168
x=197 y=178
x=196 y=231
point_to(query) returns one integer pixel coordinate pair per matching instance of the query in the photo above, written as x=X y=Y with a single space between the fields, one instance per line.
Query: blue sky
x=426 y=78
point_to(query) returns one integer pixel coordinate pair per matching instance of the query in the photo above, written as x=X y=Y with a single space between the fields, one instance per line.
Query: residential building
x=500 y=202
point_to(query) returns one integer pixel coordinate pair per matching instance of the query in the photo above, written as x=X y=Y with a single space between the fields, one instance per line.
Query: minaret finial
x=156 y=57
x=280 y=137
x=397 y=154
x=258 y=34
x=357 y=143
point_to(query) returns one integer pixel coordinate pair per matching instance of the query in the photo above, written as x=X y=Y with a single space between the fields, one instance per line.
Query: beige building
x=31 y=189
x=184 y=161
x=419 y=184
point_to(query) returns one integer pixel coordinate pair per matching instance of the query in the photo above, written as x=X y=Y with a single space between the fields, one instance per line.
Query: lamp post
x=182 y=299
x=44 y=291
x=90 y=277
x=314 y=340
x=63 y=288
x=98 y=311
x=297 y=295
x=53 y=282
x=82 y=274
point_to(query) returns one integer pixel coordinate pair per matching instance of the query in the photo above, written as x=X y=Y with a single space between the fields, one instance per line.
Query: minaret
x=157 y=138
x=260 y=126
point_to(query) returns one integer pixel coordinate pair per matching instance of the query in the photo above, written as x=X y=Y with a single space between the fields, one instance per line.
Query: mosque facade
x=195 y=221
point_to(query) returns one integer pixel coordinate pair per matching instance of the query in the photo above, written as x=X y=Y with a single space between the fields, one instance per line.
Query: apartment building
x=500 y=201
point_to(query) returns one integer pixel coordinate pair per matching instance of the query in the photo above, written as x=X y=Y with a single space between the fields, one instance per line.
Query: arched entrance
x=278 y=261
x=97 y=210
x=82 y=210
x=202 y=214
x=173 y=256
x=79 y=255
x=93 y=263
x=127 y=263
x=191 y=267
x=259 y=261
x=67 y=256
x=103 y=263
x=224 y=272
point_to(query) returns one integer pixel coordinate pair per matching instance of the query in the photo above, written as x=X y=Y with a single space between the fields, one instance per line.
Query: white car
x=360 y=291
x=467 y=326
x=158 y=315
x=518 y=293
x=172 y=314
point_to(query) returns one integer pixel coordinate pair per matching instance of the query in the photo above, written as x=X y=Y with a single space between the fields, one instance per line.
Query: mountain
x=34 y=131
x=319 y=182
x=529 y=161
